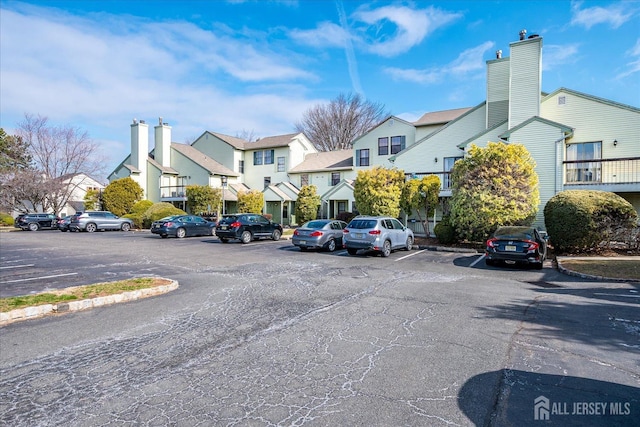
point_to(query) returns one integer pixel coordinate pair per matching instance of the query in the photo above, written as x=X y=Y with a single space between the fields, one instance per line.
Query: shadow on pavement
x=534 y=399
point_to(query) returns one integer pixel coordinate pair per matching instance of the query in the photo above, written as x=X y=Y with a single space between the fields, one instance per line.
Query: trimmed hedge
x=6 y=219
x=445 y=232
x=584 y=220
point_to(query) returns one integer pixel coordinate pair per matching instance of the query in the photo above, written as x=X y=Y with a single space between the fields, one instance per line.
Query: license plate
x=359 y=235
x=510 y=248
x=302 y=242
x=223 y=227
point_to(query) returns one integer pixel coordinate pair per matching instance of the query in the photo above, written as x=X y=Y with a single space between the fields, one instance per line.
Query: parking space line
x=38 y=278
x=410 y=255
x=480 y=258
x=17 y=266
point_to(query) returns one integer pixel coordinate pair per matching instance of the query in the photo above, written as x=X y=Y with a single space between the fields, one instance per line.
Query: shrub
x=159 y=211
x=6 y=219
x=250 y=201
x=345 y=216
x=137 y=212
x=307 y=204
x=445 y=232
x=120 y=196
x=584 y=220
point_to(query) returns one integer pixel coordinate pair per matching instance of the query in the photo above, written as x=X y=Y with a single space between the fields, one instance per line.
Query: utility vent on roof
x=562 y=100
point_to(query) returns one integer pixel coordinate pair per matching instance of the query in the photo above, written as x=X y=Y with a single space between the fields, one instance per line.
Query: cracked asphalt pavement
x=265 y=335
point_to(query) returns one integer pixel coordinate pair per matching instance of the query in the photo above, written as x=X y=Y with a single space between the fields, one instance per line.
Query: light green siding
x=389 y=128
x=525 y=81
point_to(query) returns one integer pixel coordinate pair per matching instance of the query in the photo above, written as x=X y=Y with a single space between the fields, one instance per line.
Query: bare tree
x=335 y=126
x=247 y=135
x=59 y=153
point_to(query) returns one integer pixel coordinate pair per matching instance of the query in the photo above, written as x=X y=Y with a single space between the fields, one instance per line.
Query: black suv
x=34 y=222
x=247 y=227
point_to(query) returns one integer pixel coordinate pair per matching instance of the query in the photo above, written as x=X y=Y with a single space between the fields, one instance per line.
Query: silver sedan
x=319 y=234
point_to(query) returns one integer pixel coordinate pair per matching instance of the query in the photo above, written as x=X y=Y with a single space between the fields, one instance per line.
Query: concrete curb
x=568 y=272
x=448 y=249
x=69 y=306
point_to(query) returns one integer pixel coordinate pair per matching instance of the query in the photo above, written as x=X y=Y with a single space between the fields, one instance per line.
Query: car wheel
x=246 y=237
x=181 y=232
x=164 y=236
x=212 y=232
x=33 y=226
x=489 y=261
x=64 y=230
x=224 y=240
x=125 y=226
x=386 y=249
x=276 y=235
x=331 y=245
x=538 y=266
x=303 y=248
x=409 y=243
x=352 y=251
x=91 y=227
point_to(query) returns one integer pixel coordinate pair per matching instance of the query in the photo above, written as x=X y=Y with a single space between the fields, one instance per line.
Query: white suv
x=99 y=220
x=376 y=233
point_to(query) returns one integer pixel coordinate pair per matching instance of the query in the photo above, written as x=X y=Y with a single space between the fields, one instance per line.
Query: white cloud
x=613 y=15
x=555 y=55
x=411 y=26
x=326 y=34
x=632 y=67
x=468 y=62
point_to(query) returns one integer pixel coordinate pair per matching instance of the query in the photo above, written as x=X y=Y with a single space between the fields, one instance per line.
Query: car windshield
x=362 y=223
x=514 y=233
x=171 y=218
x=229 y=219
x=314 y=224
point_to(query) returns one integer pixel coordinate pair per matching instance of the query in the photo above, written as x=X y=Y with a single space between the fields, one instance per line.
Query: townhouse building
x=578 y=141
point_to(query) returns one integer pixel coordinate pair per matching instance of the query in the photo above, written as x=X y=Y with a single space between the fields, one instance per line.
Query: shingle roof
x=339 y=159
x=164 y=169
x=231 y=140
x=270 y=141
x=438 y=117
x=212 y=166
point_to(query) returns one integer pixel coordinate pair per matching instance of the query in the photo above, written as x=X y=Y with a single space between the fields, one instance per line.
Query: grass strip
x=80 y=292
x=615 y=269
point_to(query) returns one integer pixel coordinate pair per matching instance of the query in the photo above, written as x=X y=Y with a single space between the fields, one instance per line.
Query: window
x=448 y=165
x=241 y=166
x=580 y=169
x=304 y=179
x=268 y=157
x=362 y=157
x=397 y=144
x=383 y=146
x=562 y=100
x=257 y=157
x=267 y=181
x=280 y=164
x=335 y=178
x=342 y=207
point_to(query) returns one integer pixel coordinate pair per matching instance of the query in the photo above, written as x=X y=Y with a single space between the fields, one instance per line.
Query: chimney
x=498 y=54
x=525 y=79
x=162 y=152
x=497 y=90
x=523 y=34
x=140 y=152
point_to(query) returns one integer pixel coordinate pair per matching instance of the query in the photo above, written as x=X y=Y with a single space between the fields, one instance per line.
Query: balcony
x=445 y=179
x=618 y=175
x=173 y=193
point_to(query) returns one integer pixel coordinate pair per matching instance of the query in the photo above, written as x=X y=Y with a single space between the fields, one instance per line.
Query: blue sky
x=255 y=66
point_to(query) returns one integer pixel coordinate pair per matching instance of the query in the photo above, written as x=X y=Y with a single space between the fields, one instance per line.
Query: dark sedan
x=319 y=234
x=183 y=226
x=511 y=245
x=247 y=227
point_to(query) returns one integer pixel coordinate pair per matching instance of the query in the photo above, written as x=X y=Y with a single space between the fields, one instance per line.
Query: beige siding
x=540 y=140
x=525 y=81
x=420 y=157
x=391 y=127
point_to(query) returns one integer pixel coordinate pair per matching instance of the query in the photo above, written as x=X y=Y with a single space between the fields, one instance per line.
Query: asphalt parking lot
x=263 y=334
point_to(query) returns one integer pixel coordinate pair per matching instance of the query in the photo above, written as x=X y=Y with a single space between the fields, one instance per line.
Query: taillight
x=168 y=224
x=492 y=243
x=345 y=231
x=532 y=246
x=375 y=232
x=235 y=224
x=316 y=234
x=296 y=233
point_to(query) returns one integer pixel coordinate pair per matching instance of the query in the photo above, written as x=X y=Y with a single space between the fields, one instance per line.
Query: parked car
x=183 y=226
x=99 y=220
x=63 y=223
x=319 y=234
x=35 y=222
x=376 y=233
x=511 y=245
x=247 y=227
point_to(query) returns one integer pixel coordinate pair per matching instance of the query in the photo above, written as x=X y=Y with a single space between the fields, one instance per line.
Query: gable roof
x=590 y=97
x=440 y=117
x=325 y=160
x=231 y=140
x=164 y=169
x=564 y=128
x=270 y=142
x=210 y=165
x=345 y=183
x=380 y=124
